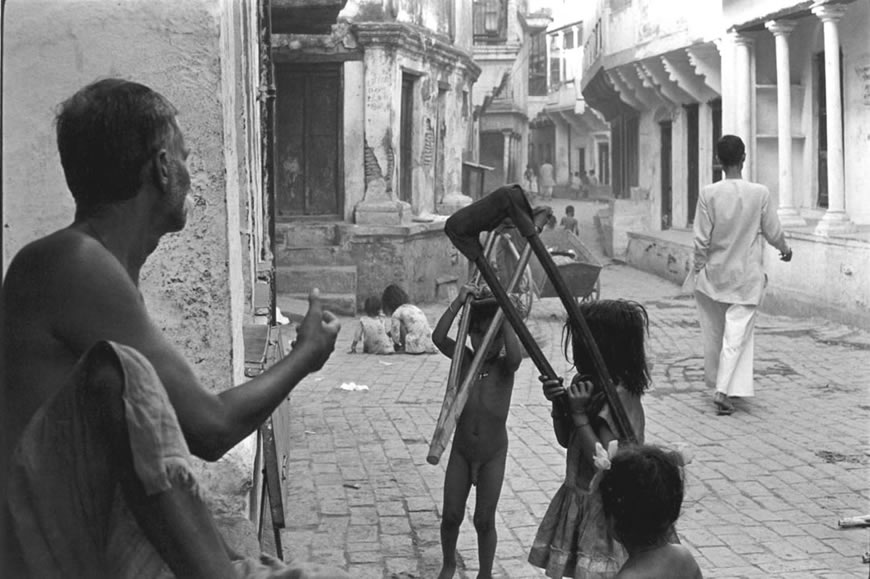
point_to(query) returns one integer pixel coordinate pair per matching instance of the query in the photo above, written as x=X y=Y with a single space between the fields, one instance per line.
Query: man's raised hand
x=316 y=335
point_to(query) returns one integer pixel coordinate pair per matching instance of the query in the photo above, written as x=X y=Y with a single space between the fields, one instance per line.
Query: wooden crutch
x=456 y=365
x=455 y=399
x=464 y=228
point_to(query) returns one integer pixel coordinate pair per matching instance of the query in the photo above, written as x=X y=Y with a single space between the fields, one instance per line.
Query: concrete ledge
x=829 y=277
x=667 y=254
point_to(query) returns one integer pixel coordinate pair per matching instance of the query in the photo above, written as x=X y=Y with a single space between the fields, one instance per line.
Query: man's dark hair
x=372 y=306
x=730 y=150
x=619 y=328
x=393 y=297
x=642 y=493
x=106 y=133
x=569 y=210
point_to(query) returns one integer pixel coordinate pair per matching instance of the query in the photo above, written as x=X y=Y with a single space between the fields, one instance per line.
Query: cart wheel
x=595 y=293
x=524 y=293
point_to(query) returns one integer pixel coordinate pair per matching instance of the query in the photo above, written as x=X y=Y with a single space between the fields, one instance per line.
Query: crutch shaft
x=626 y=431
x=455 y=399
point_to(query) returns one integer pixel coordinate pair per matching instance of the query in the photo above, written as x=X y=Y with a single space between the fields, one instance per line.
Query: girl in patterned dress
x=372 y=330
x=573 y=539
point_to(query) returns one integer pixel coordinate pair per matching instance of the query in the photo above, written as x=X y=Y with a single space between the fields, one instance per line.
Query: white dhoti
x=729 y=344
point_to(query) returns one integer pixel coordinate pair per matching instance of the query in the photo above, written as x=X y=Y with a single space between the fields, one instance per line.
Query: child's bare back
x=665 y=562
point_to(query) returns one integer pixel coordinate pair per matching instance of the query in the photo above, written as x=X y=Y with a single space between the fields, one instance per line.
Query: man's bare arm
x=98 y=301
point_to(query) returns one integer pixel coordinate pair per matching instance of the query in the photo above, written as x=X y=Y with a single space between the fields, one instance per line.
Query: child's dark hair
x=372 y=306
x=393 y=297
x=642 y=494
x=618 y=327
x=569 y=210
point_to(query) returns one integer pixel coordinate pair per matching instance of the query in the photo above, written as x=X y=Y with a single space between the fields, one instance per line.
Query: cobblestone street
x=764 y=491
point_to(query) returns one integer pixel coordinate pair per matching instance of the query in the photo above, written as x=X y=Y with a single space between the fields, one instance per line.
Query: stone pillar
x=547 y=40
x=835 y=219
x=379 y=205
x=506 y=154
x=743 y=98
x=788 y=215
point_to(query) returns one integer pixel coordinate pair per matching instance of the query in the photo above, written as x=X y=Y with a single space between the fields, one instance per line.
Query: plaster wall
x=413 y=257
x=855 y=40
x=827 y=278
x=650 y=27
x=354 y=115
x=438 y=99
x=192 y=284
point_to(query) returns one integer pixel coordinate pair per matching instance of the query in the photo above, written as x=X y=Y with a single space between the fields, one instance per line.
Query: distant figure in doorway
x=593 y=180
x=732 y=219
x=530 y=181
x=479 y=450
x=409 y=327
x=547 y=180
x=372 y=330
x=569 y=222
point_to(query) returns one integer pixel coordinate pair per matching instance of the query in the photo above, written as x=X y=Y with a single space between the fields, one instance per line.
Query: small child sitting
x=642 y=492
x=569 y=222
x=372 y=330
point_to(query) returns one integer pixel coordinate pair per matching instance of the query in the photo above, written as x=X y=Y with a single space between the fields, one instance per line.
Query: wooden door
x=308 y=164
x=406 y=143
x=667 y=181
x=692 y=173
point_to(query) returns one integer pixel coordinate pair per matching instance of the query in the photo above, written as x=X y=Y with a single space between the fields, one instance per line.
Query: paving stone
x=764 y=490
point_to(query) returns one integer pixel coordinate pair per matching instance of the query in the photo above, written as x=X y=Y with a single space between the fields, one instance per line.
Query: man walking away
x=731 y=218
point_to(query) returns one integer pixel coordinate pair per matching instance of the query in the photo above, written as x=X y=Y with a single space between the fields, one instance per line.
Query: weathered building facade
x=789 y=78
x=504 y=33
x=203 y=56
x=372 y=123
x=575 y=136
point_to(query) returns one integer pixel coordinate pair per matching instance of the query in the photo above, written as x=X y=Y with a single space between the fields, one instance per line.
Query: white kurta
x=732 y=220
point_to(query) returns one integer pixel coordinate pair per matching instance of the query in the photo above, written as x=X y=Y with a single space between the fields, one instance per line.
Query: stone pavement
x=764 y=491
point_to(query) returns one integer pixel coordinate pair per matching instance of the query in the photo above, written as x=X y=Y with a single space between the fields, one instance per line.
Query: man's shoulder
x=58 y=260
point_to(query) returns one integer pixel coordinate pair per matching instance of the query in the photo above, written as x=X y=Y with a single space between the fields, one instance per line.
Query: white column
x=561 y=38
x=788 y=215
x=547 y=40
x=835 y=219
x=743 y=97
x=506 y=155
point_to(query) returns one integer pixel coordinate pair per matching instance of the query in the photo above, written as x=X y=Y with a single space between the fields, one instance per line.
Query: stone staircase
x=308 y=255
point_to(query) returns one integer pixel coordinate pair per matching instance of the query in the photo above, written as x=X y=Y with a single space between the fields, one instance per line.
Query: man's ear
x=160 y=168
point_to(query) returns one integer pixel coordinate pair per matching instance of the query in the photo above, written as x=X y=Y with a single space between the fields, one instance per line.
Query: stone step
x=322 y=255
x=301 y=234
x=333 y=279
x=296 y=303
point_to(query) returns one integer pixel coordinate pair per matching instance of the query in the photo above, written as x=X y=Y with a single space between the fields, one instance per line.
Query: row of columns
x=835 y=219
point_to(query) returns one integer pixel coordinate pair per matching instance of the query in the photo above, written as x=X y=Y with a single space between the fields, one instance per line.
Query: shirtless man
x=124 y=159
x=479 y=450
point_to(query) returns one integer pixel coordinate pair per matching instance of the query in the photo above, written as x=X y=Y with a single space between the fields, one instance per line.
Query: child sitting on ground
x=372 y=330
x=642 y=492
x=569 y=222
x=573 y=539
x=479 y=450
x=409 y=327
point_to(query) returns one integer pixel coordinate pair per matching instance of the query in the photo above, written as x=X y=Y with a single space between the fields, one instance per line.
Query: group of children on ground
x=614 y=515
x=402 y=327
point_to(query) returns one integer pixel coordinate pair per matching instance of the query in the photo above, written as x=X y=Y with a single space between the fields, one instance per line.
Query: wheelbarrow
x=576 y=264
